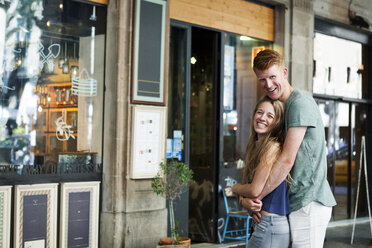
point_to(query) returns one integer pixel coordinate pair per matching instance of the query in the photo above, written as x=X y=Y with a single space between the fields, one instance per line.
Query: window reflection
x=342 y=130
x=337 y=66
x=51 y=80
x=241 y=93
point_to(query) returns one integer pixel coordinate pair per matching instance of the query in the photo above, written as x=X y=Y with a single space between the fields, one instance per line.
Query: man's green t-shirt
x=310 y=168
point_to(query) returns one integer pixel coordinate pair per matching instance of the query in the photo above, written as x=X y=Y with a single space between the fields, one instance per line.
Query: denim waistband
x=274 y=218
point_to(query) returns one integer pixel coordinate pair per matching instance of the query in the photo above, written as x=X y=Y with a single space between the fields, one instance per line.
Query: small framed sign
x=255 y=51
x=35 y=210
x=149 y=51
x=148 y=148
x=79 y=214
x=5 y=215
x=99 y=1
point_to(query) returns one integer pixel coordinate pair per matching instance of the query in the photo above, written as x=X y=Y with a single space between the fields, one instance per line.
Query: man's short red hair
x=266 y=59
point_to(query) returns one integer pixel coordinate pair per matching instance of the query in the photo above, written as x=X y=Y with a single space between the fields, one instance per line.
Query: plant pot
x=184 y=242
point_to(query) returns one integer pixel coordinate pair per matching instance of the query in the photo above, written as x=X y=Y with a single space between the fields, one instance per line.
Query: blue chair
x=235 y=234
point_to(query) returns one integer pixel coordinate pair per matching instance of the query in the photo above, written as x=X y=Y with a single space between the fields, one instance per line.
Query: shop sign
x=149 y=49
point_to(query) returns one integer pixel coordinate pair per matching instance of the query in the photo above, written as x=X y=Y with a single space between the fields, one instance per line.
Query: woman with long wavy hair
x=263 y=148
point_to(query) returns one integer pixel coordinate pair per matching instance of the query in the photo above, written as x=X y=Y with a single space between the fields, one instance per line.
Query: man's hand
x=256 y=217
x=252 y=205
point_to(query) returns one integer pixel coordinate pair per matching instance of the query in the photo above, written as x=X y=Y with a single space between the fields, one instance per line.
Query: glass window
x=337 y=66
x=345 y=125
x=51 y=82
x=177 y=93
x=240 y=93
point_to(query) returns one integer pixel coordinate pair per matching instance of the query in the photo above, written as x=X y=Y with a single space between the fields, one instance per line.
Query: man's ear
x=285 y=72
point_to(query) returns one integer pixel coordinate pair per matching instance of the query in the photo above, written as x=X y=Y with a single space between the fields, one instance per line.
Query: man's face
x=273 y=81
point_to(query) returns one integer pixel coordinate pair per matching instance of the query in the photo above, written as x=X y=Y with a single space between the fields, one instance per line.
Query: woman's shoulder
x=274 y=143
x=271 y=153
x=273 y=147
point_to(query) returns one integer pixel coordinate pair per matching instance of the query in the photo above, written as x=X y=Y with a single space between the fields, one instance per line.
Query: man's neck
x=287 y=93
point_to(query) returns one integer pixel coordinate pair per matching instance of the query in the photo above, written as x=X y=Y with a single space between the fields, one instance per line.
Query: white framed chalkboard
x=79 y=211
x=5 y=215
x=35 y=215
x=148 y=140
x=149 y=52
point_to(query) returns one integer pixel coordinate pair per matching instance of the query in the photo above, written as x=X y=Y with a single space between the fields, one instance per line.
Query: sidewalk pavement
x=338 y=236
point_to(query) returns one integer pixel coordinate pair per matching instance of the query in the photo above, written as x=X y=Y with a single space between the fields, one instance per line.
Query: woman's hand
x=235 y=188
x=240 y=199
x=252 y=205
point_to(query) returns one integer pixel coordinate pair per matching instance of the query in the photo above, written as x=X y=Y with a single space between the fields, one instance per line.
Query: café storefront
x=68 y=78
x=211 y=95
x=51 y=122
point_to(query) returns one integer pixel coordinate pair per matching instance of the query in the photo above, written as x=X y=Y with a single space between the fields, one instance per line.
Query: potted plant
x=171 y=181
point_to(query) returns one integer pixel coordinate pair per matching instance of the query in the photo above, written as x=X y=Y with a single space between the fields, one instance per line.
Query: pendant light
x=65 y=68
x=61 y=61
x=74 y=68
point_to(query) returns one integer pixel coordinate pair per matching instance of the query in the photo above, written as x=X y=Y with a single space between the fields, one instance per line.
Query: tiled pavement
x=338 y=236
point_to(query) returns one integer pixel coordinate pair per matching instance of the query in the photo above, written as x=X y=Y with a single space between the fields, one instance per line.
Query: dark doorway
x=205 y=77
x=194 y=77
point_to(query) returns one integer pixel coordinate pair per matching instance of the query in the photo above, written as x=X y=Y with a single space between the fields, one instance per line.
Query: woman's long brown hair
x=256 y=150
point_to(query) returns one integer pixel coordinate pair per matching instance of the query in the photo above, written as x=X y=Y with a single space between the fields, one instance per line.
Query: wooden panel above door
x=236 y=16
x=99 y=1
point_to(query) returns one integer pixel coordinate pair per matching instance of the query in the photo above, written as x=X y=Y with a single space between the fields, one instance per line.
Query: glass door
x=345 y=124
x=337 y=130
x=340 y=85
x=178 y=111
x=240 y=94
x=205 y=64
x=212 y=94
x=192 y=126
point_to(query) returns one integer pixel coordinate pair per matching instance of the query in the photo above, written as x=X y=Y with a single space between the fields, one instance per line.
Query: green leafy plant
x=172 y=180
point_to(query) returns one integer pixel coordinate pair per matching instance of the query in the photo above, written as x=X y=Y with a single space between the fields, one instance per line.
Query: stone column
x=301 y=48
x=131 y=214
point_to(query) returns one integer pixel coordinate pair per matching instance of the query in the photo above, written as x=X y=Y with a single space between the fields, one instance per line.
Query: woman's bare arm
x=261 y=175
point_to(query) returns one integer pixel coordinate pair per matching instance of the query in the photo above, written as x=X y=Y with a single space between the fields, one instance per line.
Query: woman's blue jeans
x=271 y=232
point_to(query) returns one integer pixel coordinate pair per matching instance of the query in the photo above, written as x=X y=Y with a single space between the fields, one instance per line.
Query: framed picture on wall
x=35 y=215
x=79 y=214
x=255 y=51
x=148 y=140
x=99 y=1
x=149 y=52
x=5 y=215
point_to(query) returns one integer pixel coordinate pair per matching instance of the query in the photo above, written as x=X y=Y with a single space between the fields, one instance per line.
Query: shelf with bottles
x=49 y=147
x=56 y=95
x=52 y=142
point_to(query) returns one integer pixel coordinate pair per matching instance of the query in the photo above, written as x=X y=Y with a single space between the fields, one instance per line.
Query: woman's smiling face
x=263 y=119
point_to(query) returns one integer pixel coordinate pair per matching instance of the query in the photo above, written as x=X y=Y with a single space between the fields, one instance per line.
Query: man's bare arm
x=283 y=166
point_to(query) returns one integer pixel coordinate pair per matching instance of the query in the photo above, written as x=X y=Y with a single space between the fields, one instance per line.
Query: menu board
x=35 y=211
x=5 y=215
x=79 y=214
x=78 y=219
x=148 y=141
x=35 y=215
x=148 y=85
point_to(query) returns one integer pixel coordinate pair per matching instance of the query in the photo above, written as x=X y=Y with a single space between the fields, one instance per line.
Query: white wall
x=337 y=54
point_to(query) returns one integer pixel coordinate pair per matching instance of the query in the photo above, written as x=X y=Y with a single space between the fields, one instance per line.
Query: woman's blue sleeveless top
x=277 y=202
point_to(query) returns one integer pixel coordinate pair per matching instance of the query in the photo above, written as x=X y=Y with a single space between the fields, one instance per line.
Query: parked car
x=341 y=164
